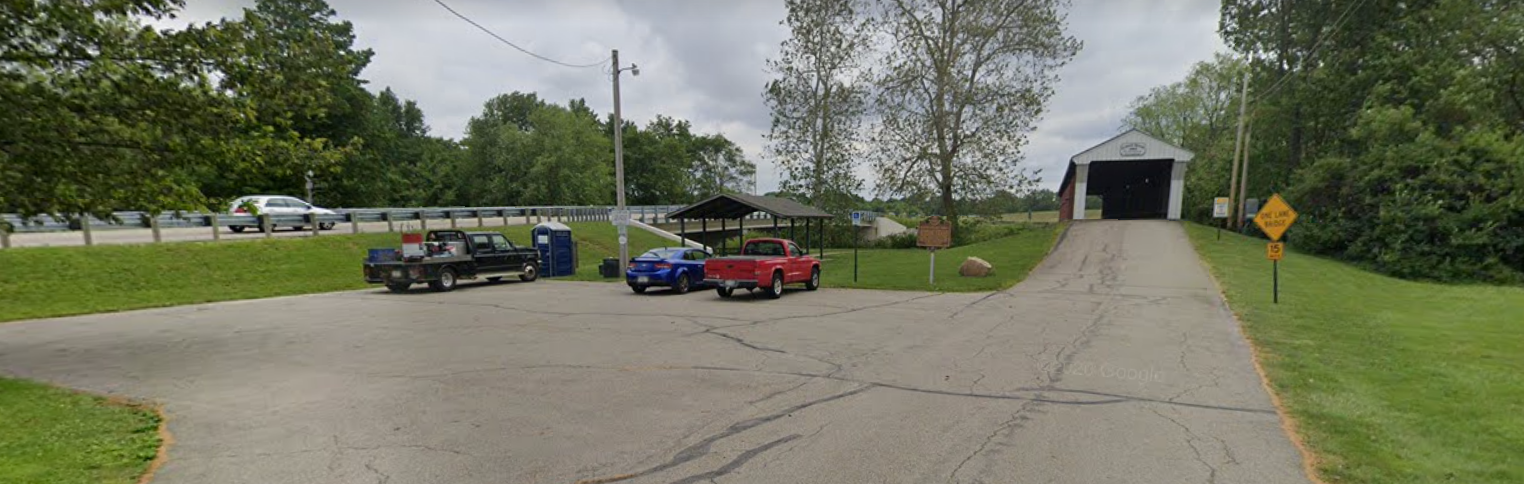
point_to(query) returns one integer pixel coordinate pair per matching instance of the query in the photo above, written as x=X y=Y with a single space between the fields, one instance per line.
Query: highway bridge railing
x=424 y=217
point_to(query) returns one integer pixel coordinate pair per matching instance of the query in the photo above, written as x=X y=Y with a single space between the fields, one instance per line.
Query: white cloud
x=704 y=61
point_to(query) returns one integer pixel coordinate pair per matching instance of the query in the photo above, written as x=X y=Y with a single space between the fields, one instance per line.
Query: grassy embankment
x=59 y=281
x=1391 y=381
x=56 y=436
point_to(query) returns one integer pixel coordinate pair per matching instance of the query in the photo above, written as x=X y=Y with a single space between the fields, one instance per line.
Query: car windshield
x=765 y=247
x=662 y=254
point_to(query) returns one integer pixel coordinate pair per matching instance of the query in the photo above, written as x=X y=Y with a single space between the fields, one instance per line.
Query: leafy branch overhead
x=955 y=89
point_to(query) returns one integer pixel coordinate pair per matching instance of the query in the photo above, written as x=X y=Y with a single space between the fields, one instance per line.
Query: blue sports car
x=680 y=268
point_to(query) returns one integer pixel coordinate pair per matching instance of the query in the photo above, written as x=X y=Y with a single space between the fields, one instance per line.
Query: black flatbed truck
x=487 y=255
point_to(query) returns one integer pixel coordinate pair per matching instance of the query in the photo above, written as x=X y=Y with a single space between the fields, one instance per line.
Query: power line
x=513 y=45
x=1339 y=22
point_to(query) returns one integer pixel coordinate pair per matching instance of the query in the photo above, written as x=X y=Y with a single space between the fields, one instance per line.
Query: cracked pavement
x=1115 y=361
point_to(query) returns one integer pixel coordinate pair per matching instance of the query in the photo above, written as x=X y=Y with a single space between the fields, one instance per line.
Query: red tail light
x=663 y=265
x=632 y=265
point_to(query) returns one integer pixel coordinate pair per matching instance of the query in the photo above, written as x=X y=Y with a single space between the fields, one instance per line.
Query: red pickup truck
x=765 y=264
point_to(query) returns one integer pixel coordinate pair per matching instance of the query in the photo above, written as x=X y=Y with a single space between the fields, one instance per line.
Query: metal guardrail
x=654 y=214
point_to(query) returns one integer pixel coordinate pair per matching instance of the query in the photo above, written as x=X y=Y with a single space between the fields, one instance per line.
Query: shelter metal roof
x=735 y=205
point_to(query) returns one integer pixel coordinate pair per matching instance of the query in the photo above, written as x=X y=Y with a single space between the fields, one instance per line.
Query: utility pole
x=1243 y=177
x=624 y=241
x=1238 y=149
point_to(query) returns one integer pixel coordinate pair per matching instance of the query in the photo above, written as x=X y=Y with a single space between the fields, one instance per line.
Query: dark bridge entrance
x=1132 y=189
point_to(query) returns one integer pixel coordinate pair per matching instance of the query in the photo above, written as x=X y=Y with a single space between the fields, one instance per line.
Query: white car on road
x=275 y=205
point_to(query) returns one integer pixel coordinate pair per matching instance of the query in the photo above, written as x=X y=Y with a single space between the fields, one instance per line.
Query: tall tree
x=719 y=166
x=297 y=64
x=103 y=113
x=818 y=102
x=1198 y=113
x=961 y=88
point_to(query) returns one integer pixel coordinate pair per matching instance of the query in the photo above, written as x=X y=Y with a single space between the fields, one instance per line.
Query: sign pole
x=1275 y=270
x=855 y=242
x=931 y=277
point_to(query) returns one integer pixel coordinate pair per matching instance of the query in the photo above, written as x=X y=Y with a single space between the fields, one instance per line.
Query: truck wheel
x=326 y=225
x=682 y=284
x=398 y=287
x=237 y=229
x=531 y=272
x=446 y=281
x=776 y=291
x=638 y=289
x=814 y=282
x=725 y=291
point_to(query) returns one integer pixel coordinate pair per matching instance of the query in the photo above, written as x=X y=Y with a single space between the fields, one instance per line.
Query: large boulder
x=975 y=267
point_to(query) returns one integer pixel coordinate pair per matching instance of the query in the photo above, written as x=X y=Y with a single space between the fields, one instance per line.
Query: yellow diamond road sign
x=1275 y=217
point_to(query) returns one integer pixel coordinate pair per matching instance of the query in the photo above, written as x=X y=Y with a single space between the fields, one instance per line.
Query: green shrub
x=1418 y=203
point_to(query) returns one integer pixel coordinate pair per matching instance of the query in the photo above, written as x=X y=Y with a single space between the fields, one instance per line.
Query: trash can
x=558 y=253
x=610 y=268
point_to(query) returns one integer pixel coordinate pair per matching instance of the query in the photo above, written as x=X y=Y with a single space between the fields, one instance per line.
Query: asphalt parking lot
x=1116 y=361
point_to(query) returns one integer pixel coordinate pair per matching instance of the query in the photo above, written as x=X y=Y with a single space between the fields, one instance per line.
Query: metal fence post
x=354 y=223
x=504 y=213
x=388 y=217
x=313 y=218
x=84 y=225
x=153 y=224
x=451 y=214
x=423 y=223
x=216 y=227
x=264 y=223
x=479 y=223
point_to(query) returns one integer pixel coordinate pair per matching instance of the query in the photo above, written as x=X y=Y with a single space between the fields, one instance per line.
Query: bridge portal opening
x=1131 y=189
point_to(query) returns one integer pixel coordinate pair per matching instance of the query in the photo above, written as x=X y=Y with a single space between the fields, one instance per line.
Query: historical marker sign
x=934 y=233
x=1275 y=217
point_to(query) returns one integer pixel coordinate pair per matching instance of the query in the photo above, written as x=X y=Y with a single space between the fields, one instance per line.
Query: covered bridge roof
x=735 y=205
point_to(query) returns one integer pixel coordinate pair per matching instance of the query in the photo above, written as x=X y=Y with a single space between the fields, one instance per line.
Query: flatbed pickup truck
x=766 y=264
x=450 y=256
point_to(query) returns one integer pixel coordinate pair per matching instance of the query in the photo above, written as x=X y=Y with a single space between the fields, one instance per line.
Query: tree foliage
x=819 y=100
x=104 y=113
x=1394 y=128
x=961 y=89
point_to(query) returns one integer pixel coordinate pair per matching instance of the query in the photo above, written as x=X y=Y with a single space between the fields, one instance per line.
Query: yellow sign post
x=1274 y=218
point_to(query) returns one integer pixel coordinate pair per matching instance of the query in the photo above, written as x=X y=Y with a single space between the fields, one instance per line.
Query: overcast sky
x=704 y=60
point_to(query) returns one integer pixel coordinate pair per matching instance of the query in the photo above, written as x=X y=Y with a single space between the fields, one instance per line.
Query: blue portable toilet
x=558 y=254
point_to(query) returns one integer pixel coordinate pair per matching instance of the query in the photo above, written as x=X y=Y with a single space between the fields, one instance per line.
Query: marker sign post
x=1273 y=219
x=860 y=218
x=934 y=234
x=1220 y=210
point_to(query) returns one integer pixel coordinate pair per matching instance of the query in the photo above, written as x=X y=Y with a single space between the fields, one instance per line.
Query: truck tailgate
x=731 y=268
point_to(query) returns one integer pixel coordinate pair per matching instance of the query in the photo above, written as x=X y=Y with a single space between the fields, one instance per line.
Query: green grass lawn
x=59 y=281
x=55 y=436
x=1391 y=381
x=907 y=269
